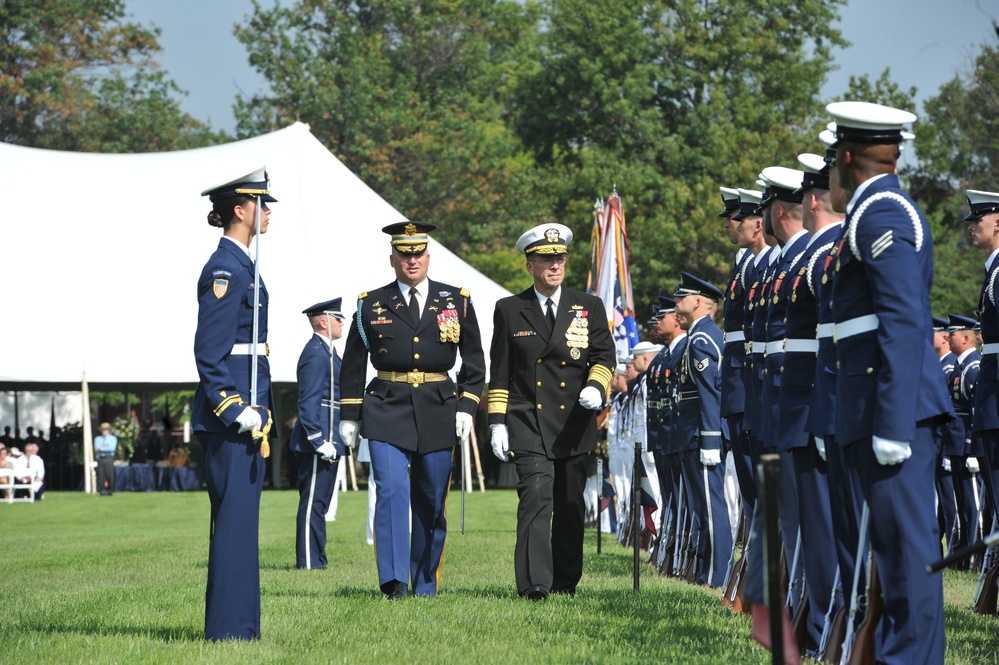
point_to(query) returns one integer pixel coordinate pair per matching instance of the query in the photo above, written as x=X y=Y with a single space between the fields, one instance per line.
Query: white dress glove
x=972 y=465
x=248 y=420
x=327 y=451
x=463 y=425
x=945 y=464
x=500 y=441
x=710 y=457
x=820 y=445
x=349 y=430
x=891 y=452
x=590 y=398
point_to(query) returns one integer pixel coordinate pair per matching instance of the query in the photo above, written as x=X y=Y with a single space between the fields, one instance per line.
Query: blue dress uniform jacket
x=963 y=383
x=234 y=468
x=733 y=392
x=654 y=394
x=317 y=409
x=225 y=318
x=987 y=390
x=417 y=416
x=888 y=380
x=952 y=434
x=701 y=360
x=822 y=409
x=535 y=377
x=889 y=385
x=679 y=428
x=756 y=315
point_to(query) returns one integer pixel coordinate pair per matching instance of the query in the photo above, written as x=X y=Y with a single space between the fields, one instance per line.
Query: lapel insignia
x=398 y=305
x=433 y=308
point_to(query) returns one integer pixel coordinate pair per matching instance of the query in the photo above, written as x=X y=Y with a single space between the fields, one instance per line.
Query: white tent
x=102 y=254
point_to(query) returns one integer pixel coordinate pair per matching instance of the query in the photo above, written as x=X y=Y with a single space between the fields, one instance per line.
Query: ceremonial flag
x=649 y=505
x=610 y=277
x=607 y=501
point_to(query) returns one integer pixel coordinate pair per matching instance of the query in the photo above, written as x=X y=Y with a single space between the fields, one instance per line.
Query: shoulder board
x=464 y=292
x=362 y=296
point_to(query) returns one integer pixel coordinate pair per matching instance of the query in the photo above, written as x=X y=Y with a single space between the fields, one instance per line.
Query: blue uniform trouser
x=316 y=478
x=904 y=539
x=990 y=474
x=714 y=534
x=409 y=481
x=745 y=464
x=234 y=471
x=946 y=503
x=818 y=547
x=968 y=495
x=845 y=504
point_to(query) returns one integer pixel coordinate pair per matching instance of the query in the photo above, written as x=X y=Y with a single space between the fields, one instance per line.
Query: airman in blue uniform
x=411 y=330
x=315 y=441
x=950 y=441
x=700 y=386
x=231 y=423
x=889 y=396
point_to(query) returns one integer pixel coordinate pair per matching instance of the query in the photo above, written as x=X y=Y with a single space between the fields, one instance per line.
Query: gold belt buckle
x=267 y=349
x=416 y=378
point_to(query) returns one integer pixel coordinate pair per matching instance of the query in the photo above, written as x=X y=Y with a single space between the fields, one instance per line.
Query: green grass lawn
x=121 y=580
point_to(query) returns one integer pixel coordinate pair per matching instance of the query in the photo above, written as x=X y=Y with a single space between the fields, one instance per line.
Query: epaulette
x=362 y=296
x=464 y=292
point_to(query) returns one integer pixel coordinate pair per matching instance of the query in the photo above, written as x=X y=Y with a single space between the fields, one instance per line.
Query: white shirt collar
x=544 y=299
x=989 y=262
x=421 y=288
x=860 y=190
x=738 y=255
x=243 y=248
x=790 y=241
x=776 y=255
x=967 y=352
x=326 y=339
x=676 y=340
x=759 y=257
x=818 y=234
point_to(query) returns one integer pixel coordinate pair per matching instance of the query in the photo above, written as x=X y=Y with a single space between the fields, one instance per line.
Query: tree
x=409 y=96
x=669 y=100
x=958 y=147
x=75 y=76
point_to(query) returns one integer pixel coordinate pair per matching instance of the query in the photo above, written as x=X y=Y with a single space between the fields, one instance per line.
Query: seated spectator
x=6 y=462
x=32 y=470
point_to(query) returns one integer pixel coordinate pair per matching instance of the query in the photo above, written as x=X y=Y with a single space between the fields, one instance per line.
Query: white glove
x=463 y=425
x=590 y=398
x=710 y=457
x=972 y=465
x=946 y=464
x=820 y=445
x=500 y=441
x=248 y=420
x=891 y=452
x=327 y=451
x=349 y=430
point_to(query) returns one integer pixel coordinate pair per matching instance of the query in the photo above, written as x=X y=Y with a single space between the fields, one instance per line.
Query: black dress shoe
x=537 y=592
x=395 y=590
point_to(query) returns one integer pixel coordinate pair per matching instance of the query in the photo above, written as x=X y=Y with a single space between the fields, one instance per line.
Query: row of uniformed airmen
x=828 y=360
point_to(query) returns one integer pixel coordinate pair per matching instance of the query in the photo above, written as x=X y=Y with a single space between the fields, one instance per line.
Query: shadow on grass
x=94 y=628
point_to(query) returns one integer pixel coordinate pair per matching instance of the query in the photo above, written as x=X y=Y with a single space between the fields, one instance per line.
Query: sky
x=930 y=41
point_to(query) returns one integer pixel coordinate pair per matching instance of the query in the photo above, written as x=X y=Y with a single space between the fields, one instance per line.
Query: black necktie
x=550 y=313
x=414 y=307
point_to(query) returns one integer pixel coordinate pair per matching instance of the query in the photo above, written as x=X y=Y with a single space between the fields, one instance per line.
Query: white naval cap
x=546 y=239
x=864 y=122
x=782 y=184
x=981 y=203
x=730 y=198
x=815 y=170
x=749 y=201
x=645 y=347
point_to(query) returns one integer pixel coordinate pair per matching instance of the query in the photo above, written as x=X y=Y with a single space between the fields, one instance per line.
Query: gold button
x=837 y=364
x=561 y=407
x=539 y=406
x=416 y=339
x=539 y=361
x=562 y=385
x=416 y=356
x=563 y=363
x=380 y=336
x=416 y=385
x=870 y=370
x=539 y=384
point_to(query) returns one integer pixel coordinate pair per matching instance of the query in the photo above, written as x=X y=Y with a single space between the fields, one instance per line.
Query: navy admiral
x=412 y=411
x=889 y=395
x=551 y=360
x=230 y=422
x=315 y=441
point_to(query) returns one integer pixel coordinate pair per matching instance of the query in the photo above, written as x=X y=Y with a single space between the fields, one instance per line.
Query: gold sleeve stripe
x=497 y=407
x=601 y=375
x=227 y=402
x=472 y=396
x=352 y=400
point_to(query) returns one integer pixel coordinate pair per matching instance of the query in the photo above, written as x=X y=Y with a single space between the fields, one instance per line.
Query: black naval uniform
x=535 y=380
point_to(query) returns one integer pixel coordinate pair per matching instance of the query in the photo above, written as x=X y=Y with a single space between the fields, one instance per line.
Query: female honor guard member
x=231 y=424
x=551 y=361
x=315 y=442
x=411 y=328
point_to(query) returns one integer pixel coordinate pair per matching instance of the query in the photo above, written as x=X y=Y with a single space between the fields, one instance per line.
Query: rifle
x=837 y=633
x=863 y=642
x=731 y=575
x=985 y=603
x=829 y=619
x=681 y=517
x=851 y=620
x=729 y=568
